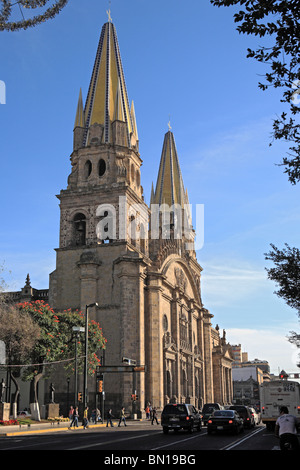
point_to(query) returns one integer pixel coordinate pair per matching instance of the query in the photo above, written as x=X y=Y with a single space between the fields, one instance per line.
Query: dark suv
x=244 y=413
x=180 y=416
x=208 y=410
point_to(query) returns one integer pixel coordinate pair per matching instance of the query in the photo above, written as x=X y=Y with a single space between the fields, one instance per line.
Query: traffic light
x=100 y=386
x=79 y=396
x=134 y=396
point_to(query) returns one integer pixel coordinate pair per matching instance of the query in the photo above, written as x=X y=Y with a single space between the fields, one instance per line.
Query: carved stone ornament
x=181 y=280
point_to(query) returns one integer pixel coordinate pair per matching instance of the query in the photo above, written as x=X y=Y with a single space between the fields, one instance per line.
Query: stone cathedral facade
x=137 y=262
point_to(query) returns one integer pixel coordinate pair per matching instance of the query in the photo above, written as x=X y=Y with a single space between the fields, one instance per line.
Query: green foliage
x=57 y=341
x=279 y=21
x=8 y=6
x=286 y=274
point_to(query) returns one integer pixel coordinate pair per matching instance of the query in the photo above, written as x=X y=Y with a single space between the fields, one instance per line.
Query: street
x=144 y=442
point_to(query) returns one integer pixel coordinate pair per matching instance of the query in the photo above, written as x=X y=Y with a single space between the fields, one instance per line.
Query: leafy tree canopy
x=279 y=21
x=57 y=340
x=9 y=10
x=286 y=274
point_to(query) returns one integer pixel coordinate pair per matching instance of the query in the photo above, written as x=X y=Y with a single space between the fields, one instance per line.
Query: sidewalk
x=38 y=428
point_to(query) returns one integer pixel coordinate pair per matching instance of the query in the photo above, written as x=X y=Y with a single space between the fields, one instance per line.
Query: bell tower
x=103 y=246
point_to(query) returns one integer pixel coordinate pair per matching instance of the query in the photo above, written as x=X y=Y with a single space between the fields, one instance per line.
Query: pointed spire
x=132 y=114
x=27 y=282
x=119 y=112
x=79 y=120
x=107 y=94
x=152 y=195
x=169 y=187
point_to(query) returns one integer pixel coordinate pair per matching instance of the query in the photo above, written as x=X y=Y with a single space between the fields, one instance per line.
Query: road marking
x=112 y=441
x=181 y=440
x=238 y=442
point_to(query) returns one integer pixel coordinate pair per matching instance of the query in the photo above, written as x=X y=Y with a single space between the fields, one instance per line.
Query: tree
x=8 y=10
x=278 y=21
x=286 y=274
x=56 y=341
x=20 y=334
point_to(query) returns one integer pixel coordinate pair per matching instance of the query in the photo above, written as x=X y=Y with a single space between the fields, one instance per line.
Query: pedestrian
x=122 y=417
x=286 y=429
x=109 y=418
x=98 y=415
x=85 y=418
x=71 y=411
x=147 y=410
x=75 y=418
x=154 y=416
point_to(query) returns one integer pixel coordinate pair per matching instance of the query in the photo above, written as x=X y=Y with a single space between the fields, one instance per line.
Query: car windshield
x=224 y=413
x=241 y=411
x=208 y=409
x=175 y=409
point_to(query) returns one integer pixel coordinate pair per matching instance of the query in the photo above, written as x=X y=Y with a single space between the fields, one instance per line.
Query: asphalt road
x=146 y=443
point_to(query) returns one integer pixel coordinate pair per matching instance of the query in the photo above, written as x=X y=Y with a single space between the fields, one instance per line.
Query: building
x=137 y=263
x=246 y=382
x=27 y=293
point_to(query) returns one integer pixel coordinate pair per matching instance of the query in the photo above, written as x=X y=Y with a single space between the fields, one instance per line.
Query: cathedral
x=135 y=265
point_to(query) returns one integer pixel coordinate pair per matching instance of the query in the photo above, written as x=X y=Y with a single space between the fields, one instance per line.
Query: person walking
x=71 y=411
x=75 y=418
x=286 y=429
x=122 y=417
x=85 y=418
x=97 y=416
x=154 y=416
x=109 y=418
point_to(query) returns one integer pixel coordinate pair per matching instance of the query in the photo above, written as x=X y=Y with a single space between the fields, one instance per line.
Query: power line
x=40 y=364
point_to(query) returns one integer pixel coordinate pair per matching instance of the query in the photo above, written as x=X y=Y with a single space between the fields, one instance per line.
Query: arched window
x=106 y=227
x=138 y=178
x=79 y=226
x=165 y=323
x=101 y=167
x=87 y=169
x=184 y=383
x=132 y=172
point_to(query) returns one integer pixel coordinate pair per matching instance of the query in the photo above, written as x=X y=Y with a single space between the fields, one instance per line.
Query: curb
x=53 y=428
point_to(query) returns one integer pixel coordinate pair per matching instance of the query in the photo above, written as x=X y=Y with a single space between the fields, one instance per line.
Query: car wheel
x=165 y=430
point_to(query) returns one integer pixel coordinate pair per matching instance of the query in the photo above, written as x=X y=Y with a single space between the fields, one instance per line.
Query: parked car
x=180 y=416
x=256 y=415
x=244 y=412
x=208 y=409
x=24 y=414
x=225 y=420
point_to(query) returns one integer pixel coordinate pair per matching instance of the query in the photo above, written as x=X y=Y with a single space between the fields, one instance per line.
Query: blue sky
x=183 y=60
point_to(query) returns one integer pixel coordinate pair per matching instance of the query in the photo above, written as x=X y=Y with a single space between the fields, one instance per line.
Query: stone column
x=175 y=333
x=208 y=370
x=154 y=342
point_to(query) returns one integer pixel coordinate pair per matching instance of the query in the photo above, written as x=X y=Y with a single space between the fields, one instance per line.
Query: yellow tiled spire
x=107 y=98
x=169 y=187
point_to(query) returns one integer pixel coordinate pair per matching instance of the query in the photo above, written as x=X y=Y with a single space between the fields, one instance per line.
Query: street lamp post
x=77 y=330
x=86 y=353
